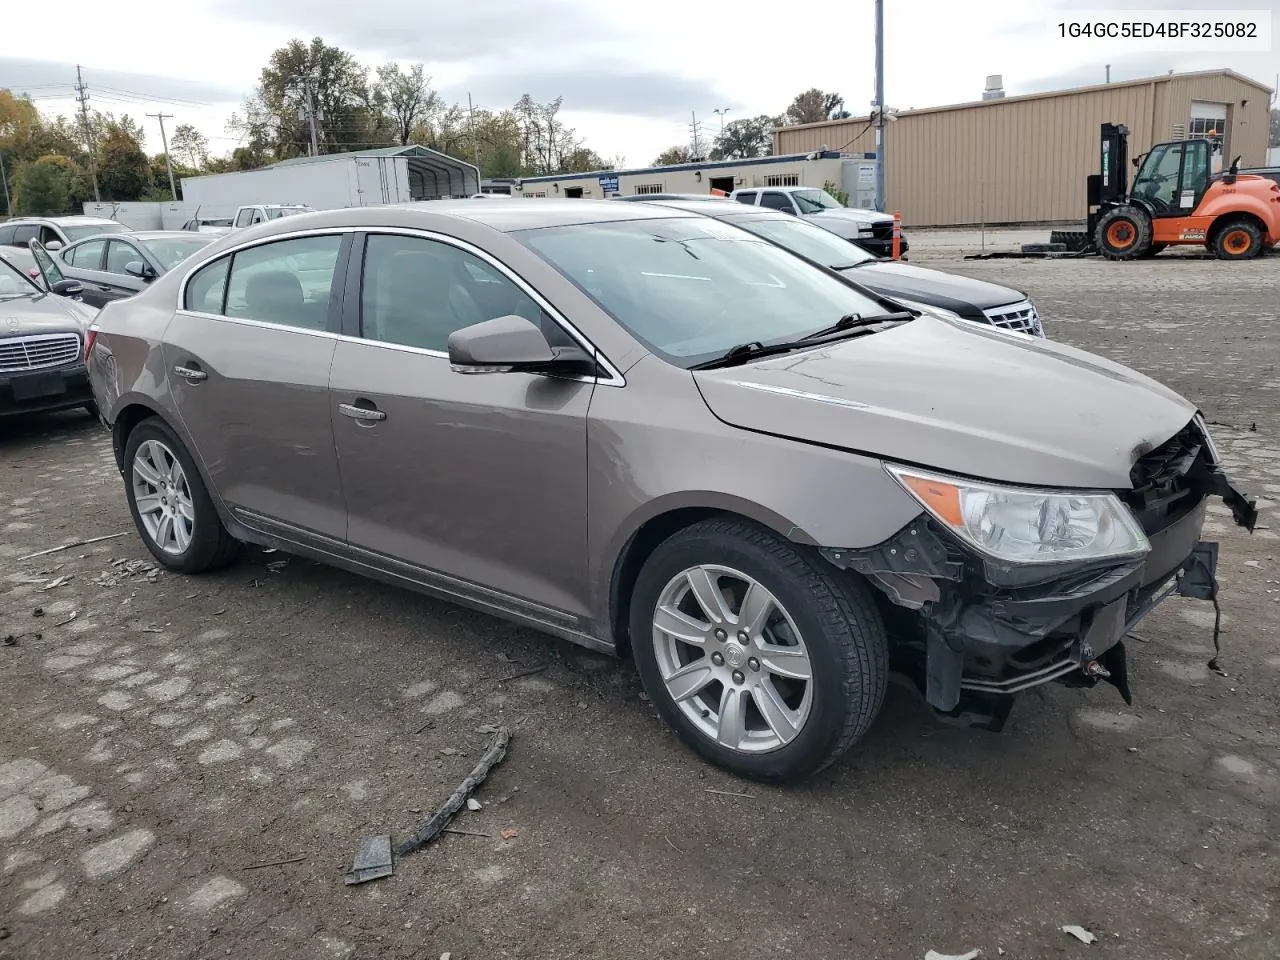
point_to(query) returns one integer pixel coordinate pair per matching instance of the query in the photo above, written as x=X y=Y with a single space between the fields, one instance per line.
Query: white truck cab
x=247 y=216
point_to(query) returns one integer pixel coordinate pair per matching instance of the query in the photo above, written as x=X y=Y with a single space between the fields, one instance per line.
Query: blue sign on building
x=609 y=184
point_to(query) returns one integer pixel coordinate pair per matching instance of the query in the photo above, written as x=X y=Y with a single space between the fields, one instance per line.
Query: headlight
x=1023 y=526
x=865 y=228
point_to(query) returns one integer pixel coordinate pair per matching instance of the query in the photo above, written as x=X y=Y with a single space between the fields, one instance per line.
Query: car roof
x=70 y=219
x=650 y=197
x=791 y=189
x=527 y=214
x=725 y=208
x=162 y=234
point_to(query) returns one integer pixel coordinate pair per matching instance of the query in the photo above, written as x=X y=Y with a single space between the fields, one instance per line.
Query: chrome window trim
x=614 y=379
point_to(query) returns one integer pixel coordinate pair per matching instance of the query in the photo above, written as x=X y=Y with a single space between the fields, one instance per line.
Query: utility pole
x=8 y=204
x=82 y=95
x=310 y=110
x=475 y=157
x=720 y=112
x=164 y=140
x=1108 y=73
x=695 y=128
x=880 y=105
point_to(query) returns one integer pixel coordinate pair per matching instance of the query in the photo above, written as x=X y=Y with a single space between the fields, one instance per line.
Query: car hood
x=947 y=290
x=852 y=213
x=46 y=313
x=946 y=395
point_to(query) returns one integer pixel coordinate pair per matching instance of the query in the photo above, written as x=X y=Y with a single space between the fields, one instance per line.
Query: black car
x=41 y=345
x=118 y=266
x=975 y=300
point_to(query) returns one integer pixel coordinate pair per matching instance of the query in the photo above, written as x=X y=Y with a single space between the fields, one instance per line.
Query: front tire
x=171 y=508
x=1123 y=233
x=766 y=661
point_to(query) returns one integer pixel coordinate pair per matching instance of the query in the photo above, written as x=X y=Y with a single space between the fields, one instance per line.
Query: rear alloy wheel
x=766 y=661
x=1238 y=240
x=170 y=505
x=1123 y=234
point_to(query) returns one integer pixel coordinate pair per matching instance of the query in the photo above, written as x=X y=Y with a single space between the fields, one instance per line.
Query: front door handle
x=356 y=412
x=190 y=374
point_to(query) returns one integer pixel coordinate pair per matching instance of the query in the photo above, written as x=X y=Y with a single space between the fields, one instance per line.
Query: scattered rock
x=473 y=804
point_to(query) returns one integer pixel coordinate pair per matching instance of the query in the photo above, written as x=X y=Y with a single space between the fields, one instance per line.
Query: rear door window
x=776 y=200
x=89 y=255
x=25 y=233
x=746 y=196
x=207 y=288
x=288 y=282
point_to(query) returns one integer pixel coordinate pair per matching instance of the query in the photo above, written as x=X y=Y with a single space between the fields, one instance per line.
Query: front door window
x=1157 y=182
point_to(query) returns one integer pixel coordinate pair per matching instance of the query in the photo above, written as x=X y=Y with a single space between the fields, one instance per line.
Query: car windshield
x=171 y=251
x=815 y=201
x=13 y=283
x=275 y=213
x=91 y=230
x=691 y=288
x=807 y=240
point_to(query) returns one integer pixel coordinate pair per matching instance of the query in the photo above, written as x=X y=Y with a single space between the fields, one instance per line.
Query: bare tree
x=408 y=97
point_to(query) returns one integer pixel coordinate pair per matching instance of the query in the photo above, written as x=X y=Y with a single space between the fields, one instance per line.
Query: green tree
x=190 y=145
x=124 y=172
x=583 y=160
x=302 y=80
x=813 y=106
x=408 y=98
x=745 y=139
x=41 y=188
x=682 y=153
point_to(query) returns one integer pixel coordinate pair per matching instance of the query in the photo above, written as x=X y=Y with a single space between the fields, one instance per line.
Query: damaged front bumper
x=972 y=633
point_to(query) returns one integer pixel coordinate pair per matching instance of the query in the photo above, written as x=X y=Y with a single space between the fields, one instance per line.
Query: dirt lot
x=177 y=733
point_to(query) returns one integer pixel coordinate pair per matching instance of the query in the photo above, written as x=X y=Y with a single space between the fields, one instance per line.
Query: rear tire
x=814 y=645
x=1237 y=240
x=1123 y=233
x=177 y=520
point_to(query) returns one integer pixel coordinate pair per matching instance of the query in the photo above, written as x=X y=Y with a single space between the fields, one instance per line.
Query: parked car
x=54 y=232
x=869 y=229
x=652 y=433
x=648 y=197
x=111 y=268
x=41 y=345
x=976 y=300
x=218 y=225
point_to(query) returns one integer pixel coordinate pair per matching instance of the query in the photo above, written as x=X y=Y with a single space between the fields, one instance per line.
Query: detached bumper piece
x=973 y=633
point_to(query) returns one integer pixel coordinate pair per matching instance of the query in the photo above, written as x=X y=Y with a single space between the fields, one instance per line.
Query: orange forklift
x=1177 y=199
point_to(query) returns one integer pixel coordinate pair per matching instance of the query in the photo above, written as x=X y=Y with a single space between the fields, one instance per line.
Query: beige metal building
x=1025 y=159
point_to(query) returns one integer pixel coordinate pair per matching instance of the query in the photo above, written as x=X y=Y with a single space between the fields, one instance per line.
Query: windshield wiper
x=744 y=352
x=854 y=321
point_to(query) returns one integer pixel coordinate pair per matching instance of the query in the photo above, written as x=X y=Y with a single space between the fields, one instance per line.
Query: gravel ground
x=188 y=765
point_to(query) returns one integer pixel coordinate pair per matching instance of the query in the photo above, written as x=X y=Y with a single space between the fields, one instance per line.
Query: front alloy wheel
x=763 y=657
x=732 y=659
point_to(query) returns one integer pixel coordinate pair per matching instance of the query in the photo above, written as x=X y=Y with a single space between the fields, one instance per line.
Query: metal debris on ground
x=730 y=793
x=467 y=833
x=280 y=863
x=473 y=804
x=58 y=582
x=442 y=817
x=373 y=861
x=523 y=673
x=275 y=566
x=68 y=546
x=67 y=619
x=1080 y=933
x=934 y=955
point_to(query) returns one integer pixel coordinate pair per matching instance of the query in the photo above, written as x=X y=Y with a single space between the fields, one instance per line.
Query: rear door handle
x=191 y=374
x=357 y=412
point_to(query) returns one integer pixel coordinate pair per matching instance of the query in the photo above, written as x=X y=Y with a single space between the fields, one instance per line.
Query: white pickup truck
x=262 y=212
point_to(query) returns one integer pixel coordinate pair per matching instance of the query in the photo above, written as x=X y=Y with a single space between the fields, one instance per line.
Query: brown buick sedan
x=655 y=434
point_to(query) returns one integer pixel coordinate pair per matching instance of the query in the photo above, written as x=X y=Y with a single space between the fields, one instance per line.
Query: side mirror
x=498 y=346
x=67 y=288
x=136 y=268
x=53 y=245
x=513 y=344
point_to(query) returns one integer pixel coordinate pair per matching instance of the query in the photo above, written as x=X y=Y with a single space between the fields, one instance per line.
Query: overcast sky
x=630 y=74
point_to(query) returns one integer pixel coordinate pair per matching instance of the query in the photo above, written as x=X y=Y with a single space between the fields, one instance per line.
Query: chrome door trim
x=614 y=378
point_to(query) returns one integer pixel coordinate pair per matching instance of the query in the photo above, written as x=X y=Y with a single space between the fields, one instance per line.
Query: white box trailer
x=362 y=179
